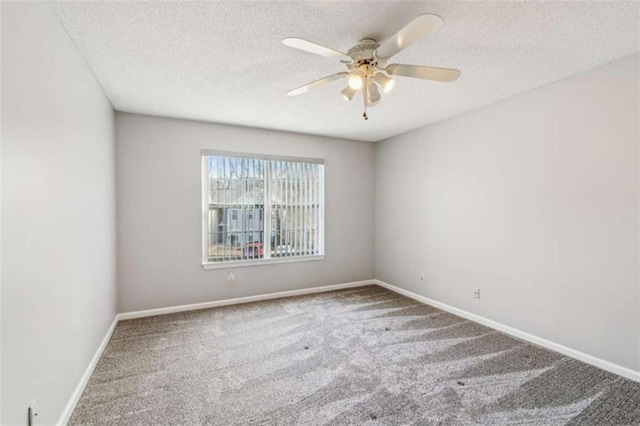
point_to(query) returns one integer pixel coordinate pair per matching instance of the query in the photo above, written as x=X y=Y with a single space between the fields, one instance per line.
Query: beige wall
x=534 y=200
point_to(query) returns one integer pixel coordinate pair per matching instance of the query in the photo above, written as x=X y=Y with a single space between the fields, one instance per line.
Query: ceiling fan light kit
x=348 y=93
x=383 y=81
x=355 y=81
x=373 y=93
x=366 y=62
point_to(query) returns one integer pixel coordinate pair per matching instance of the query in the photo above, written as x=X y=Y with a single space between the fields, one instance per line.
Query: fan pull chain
x=364 y=97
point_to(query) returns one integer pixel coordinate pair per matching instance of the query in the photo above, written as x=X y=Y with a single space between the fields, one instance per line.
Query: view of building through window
x=262 y=208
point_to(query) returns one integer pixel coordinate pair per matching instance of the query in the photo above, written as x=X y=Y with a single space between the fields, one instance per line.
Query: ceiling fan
x=366 y=62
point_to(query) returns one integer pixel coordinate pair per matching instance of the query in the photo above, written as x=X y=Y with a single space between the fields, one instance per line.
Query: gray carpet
x=357 y=356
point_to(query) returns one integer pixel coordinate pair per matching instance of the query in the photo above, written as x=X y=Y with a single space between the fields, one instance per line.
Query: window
x=261 y=209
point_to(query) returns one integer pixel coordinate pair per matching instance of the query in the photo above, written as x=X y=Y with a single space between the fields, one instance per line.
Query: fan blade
x=420 y=27
x=303 y=89
x=427 y=73
x=307 y=46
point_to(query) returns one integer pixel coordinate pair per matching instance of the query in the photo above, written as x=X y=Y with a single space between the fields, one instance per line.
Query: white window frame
x=267 y=259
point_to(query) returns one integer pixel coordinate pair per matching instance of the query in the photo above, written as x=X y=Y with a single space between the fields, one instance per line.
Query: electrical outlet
x=421 y=277
x=476 y=293
x=231 y=278
x=31 y=413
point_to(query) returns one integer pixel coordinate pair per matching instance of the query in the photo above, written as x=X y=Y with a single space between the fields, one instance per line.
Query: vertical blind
x=261 y=207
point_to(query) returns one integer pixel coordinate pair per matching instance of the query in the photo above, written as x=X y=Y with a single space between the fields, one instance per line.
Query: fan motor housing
x=362 y=53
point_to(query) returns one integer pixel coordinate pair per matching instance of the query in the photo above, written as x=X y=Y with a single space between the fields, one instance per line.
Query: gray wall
x=58 y=214
x=159 y=212
x=533 y=199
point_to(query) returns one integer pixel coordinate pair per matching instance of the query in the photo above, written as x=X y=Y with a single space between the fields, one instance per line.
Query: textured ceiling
x=224 y=61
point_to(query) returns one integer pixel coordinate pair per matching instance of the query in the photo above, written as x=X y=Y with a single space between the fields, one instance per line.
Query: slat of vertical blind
x=251 y=226
x=275 y=211
x=210 y=217
x=318 y=198
x=290 y=230
x=298 y=197
x=256 y=224
x=215 y=163
x=311 y=209
x=225 y=228
x=249 y=194
x=300 y=173
x=305 y=211
x=220 y=219
x=283 y=211
x=303 y=208
x=258 y=173
x=241 y=239
x=255 y=214
x=294 y=217
x=279 y=200
x=314 y=193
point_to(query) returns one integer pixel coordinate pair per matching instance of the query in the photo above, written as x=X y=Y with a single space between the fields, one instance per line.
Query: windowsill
x=272 y=261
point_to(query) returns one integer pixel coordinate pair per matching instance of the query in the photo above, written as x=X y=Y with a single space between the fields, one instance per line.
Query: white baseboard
x=71 y=405
x=581 y=356
x=226 y=302
x=605 y=365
